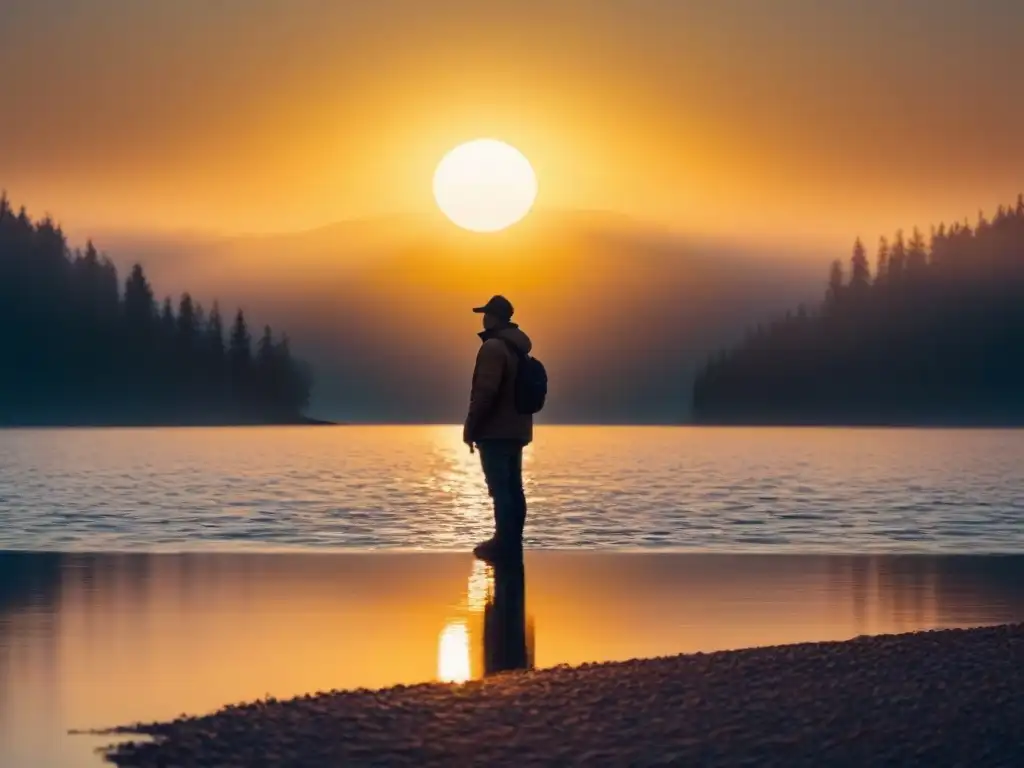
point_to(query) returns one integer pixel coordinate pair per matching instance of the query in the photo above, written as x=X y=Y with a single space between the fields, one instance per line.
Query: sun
x=485 y=185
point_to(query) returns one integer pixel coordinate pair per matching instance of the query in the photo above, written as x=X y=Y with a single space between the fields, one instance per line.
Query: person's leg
x=516 y=489
x=497 y=460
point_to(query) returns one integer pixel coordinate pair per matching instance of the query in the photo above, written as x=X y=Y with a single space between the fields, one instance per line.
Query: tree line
x=933 y=334
x=80 y=348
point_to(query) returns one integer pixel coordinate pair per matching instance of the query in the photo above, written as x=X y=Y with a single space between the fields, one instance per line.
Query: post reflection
x=490 y=632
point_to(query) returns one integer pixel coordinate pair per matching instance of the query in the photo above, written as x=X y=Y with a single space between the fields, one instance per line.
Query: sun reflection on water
x=453 y=662
x=455 y=644
x=480 y=587
x=455 y=476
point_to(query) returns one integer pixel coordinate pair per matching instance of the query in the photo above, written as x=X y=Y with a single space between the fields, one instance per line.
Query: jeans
x=502 y=462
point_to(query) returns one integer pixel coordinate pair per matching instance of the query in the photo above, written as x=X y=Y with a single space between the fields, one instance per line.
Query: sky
x=790 y=119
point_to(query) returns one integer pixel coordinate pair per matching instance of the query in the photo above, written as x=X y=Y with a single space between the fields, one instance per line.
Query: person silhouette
x=497 y=428
x=508 y=640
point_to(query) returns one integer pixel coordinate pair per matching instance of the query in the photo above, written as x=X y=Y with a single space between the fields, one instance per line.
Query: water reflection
x=453 y=655
x=455 y=645
x=95 y=640
x=481 y=585
x=508 y=638
x=489 y=632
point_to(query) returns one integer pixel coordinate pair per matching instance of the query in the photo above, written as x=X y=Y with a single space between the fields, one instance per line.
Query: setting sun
x=485 y=185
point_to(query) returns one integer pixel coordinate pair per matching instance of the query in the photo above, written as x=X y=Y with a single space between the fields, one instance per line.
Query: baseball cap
x=498 y=306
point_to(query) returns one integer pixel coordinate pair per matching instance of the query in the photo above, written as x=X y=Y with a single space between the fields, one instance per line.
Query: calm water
x=97 y=640
x=736 y=490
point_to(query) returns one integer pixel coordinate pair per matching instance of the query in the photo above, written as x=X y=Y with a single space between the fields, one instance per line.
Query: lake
x=598 y=488
x=94 y=640
x=150 y=572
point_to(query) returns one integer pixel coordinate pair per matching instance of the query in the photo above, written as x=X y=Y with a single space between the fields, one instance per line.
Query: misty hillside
x=619 y=313
x=932 y=334
x=85 y=347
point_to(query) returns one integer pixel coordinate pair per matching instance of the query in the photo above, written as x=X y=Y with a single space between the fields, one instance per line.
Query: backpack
x=531 y=385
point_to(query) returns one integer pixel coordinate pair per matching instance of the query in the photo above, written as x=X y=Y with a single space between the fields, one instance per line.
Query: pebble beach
x=938 y=698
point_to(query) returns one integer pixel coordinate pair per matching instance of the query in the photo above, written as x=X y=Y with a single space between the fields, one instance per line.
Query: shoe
x=493 y=550
x=486 y=550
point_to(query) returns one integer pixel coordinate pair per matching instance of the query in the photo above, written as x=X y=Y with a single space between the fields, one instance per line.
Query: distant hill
x=935 y=335
x=621 y=313
x=80 y=348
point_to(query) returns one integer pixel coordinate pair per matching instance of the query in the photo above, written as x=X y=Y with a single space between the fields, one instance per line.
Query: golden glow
x=454 y=648
x=691 y=115
x=481 y=586
x=453 y=665
x=485 y=185
x=456 y=474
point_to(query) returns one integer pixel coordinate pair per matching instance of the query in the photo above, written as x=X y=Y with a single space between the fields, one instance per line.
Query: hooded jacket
x=492 y=406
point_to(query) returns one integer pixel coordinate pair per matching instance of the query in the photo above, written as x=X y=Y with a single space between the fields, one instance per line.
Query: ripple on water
x=417 y=487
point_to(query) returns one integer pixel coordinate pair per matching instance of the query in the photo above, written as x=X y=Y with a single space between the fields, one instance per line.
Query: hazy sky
x=790 y=118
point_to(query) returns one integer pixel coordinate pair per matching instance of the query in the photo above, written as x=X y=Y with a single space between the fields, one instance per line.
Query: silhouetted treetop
x=936 y=336
x=79 y=350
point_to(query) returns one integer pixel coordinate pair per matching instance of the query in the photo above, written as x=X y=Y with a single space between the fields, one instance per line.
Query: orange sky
x=794 y=119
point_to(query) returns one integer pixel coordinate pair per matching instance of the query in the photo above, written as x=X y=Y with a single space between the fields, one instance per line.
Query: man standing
x=498 y=427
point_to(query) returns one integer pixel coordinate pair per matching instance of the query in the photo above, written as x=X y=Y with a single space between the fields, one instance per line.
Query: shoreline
x=868 y=425
x=283 y=551
x=943 y=697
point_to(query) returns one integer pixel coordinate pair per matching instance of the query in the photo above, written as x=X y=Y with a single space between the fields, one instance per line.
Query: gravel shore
x=952 y=697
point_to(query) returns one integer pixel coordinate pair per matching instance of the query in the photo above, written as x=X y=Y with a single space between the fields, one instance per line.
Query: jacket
x=492 y=406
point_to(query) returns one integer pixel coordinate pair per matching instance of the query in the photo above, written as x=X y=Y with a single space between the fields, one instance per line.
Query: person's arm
x=490 y=368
